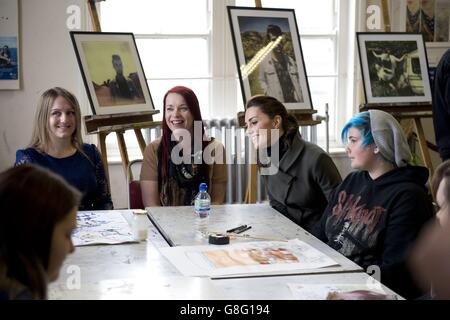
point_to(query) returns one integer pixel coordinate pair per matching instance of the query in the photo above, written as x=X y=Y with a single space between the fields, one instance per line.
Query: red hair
x=194 y=107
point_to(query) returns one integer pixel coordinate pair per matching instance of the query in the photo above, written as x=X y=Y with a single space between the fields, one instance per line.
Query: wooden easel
x=415 y=112
x=106 y=124
x=118 y=123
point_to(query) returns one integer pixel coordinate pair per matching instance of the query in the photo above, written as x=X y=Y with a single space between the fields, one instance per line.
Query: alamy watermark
x=373 y=21
x=73 y=20
x=73 y=281
x=188 y=150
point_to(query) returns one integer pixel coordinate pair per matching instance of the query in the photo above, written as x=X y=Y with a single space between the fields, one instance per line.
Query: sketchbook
x=246 y=259
x=105 y=227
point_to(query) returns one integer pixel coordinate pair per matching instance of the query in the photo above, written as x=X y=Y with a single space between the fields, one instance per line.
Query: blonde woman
x=57 y=145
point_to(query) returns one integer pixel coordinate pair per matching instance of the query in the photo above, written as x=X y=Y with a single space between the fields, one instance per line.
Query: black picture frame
x=394 y=67
x=259 y=70
x=112 y=72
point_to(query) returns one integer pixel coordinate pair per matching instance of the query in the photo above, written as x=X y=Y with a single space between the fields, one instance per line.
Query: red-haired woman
x=175 y=164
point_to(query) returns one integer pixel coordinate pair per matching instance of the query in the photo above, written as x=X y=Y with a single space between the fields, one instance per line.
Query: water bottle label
x=202 y=207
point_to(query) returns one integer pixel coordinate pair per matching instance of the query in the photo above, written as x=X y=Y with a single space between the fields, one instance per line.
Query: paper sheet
x=101 y=228
x=248 y=258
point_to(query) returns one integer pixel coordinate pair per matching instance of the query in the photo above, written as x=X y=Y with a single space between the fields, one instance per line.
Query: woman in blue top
x=57 y=145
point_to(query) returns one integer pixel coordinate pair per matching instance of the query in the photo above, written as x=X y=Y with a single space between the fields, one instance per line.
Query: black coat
x=301 y=187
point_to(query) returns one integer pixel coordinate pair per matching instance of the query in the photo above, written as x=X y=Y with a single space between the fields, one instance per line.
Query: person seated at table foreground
x=38 y=214
x=430 y=258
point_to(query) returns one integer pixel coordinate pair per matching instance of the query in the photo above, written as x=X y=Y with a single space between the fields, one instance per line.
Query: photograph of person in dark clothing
x=278 y=72
x=5 y=56
x=120 y=86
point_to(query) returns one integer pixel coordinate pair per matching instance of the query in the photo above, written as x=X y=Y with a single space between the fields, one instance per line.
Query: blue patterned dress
x=84 y=172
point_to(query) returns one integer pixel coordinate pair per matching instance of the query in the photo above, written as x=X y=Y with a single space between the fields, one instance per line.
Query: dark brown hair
x=272 y=107
x=32 y=201
x=442 y=172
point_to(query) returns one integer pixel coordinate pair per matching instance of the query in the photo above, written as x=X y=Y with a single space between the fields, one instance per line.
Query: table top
x=181 y=227
x=140 y=271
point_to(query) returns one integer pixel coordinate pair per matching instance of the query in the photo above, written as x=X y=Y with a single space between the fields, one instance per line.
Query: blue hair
x=361 y=121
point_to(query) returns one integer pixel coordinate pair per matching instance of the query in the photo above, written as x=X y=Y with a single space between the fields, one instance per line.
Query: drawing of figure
x=390 y=74
x=5 y=56
x=413 y=16
x=386 y=64
x=427 y=19
x=278 y=72
x=281 y=255
x=120 y=86
x=229 y=258
x=420 y=17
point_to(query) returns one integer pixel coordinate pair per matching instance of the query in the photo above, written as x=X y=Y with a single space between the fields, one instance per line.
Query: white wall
x=47 y=60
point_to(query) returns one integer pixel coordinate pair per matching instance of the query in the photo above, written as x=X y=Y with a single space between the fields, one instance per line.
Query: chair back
x=134 y=186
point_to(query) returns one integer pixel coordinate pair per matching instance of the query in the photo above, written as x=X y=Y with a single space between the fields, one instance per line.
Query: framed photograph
x=269 y=56
x=9 y=45
x=112 y=72
x=394 y=67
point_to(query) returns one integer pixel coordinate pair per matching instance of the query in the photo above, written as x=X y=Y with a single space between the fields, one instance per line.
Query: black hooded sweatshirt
x=373 y=222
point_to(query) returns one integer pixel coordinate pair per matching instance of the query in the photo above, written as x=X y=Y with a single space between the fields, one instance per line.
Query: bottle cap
x=203 y=186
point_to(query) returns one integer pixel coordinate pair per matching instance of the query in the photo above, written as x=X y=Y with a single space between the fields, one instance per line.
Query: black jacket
x=373 y=222
x=441 y=106
x=305 y=178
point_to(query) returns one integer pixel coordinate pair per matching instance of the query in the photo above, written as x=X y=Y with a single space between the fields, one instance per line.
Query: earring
x=376 y=150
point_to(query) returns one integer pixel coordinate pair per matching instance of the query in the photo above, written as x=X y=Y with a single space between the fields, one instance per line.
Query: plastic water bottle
x=202 y=203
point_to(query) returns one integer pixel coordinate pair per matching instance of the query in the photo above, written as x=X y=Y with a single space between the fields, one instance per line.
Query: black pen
x=237 y=228
x=243 y=229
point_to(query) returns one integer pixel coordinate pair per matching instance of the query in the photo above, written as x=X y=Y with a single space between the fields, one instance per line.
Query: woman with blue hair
x=376 y=213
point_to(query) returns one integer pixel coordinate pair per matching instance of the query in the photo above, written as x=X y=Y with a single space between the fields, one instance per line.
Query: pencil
x=255 y=237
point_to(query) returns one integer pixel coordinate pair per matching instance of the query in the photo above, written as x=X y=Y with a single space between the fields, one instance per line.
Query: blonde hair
x=41 y=139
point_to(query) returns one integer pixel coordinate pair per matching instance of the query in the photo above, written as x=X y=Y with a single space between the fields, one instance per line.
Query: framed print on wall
x=112 y=72
x=394 y=67
x=269 y=56
x=9 y=45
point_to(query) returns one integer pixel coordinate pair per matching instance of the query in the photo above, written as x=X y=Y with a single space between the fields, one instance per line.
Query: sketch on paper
x=101 y=228
x=430 y=18
x=247 y=258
